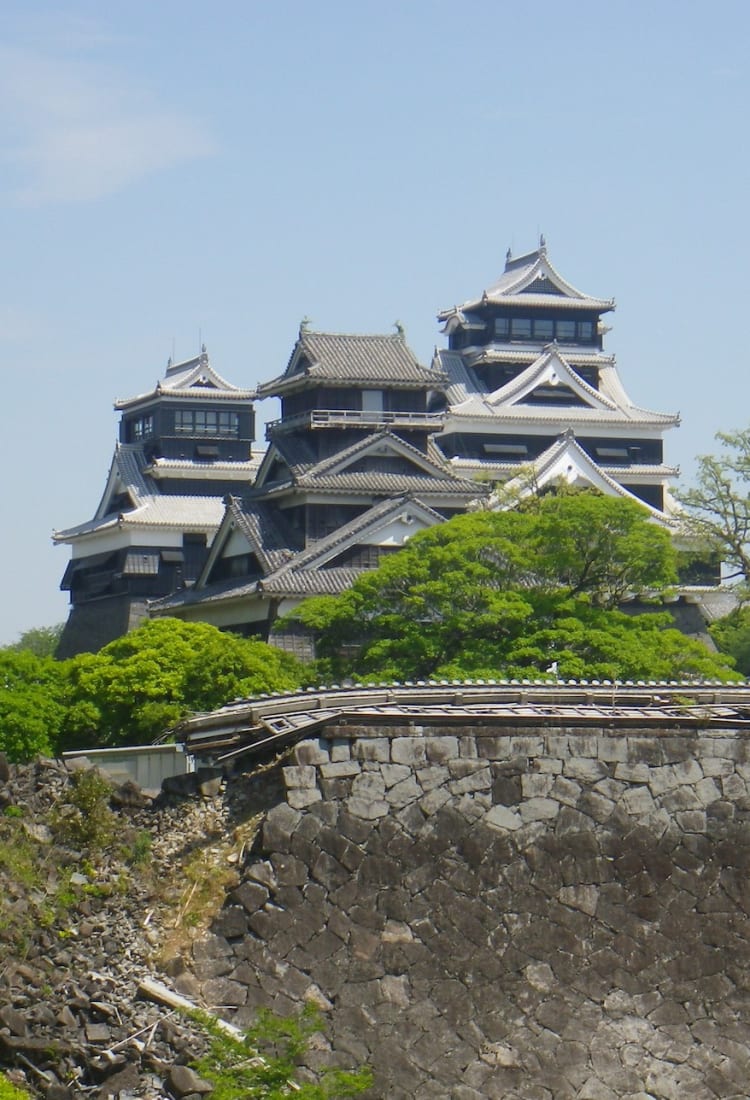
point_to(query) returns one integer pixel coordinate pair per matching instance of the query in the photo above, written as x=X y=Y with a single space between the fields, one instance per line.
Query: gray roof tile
x=346 y=359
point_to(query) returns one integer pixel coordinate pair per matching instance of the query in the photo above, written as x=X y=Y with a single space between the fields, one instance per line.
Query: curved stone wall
x=487 y=912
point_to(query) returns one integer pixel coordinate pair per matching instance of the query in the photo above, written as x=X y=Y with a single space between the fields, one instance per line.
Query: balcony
x=356 y=418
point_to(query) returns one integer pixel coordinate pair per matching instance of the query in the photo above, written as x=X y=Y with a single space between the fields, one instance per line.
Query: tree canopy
x=515 y=593
x=144 y=682
x=719 y=503
x=32 y=707
x=42 y=641
x=133 y=689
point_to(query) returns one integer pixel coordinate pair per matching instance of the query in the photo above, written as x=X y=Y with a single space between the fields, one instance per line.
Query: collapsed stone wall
x=489 y=912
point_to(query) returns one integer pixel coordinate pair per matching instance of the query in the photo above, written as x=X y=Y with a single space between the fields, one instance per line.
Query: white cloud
x=73 y=131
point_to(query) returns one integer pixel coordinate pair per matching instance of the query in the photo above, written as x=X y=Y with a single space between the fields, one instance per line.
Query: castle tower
x=182 y=447
x=531 y=389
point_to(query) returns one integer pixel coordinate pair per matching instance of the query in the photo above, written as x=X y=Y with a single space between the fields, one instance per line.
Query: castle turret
x=183 y=446
x=528 y=372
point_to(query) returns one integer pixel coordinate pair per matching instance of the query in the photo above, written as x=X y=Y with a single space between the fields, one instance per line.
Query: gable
x=550 y=380
x=548 y=394
x=543 y=285
x=385 y=464
x=382 y=453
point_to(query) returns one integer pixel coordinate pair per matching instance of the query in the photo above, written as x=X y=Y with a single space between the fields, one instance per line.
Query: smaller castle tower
x=183 y=446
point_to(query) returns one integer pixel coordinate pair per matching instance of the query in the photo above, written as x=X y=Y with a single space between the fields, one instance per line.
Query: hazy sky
x=171 y=172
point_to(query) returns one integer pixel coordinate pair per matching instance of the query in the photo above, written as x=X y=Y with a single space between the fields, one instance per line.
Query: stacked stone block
x=487 y=912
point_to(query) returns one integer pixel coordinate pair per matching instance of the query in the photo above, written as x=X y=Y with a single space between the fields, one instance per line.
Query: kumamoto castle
x=371 y=446
x=492 y=890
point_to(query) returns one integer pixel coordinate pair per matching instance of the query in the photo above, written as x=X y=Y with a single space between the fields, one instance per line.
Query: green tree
x=32 y=704
x=144 y=682
x=732 y=636
x=719 y=503
x=513 y=594
x=42 y=641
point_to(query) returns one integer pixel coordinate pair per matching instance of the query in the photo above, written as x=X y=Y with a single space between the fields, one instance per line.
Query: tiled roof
x=550 y=365
x=311 y=582
x=566 y=459
x=232 y=588
x=564 y=414
x=521 y=273
x=265 y=529
x=468 y=398
x=193 y=378
x=391 y=484
x=631 y=472
x=246 y=467
x=186 y=513
x=305 y=573
x=130 y=462
x=492 y=353
x=346 y=359
x=349 y=533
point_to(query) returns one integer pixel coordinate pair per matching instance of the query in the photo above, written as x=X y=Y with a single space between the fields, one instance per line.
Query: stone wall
x=489 y=912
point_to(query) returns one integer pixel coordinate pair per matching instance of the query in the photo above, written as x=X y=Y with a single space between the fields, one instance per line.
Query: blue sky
x=171 y=172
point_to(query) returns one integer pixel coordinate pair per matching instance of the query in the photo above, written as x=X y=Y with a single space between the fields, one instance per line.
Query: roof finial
x=542 y=243
x=203 y=349
x=304 y=324
x=508 y=255
x=399 y=327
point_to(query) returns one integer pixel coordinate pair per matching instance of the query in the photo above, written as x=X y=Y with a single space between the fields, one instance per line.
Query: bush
x=264 y=1064
x=84 y=819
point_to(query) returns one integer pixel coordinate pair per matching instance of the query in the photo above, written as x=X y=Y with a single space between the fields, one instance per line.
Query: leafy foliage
x=32 y=704
x=264 y=1064
x=84 y=819
x=42 y=641
x=732 y=636
x=9 y=1091
x=514 y=594
x=132 y=690
x=142 y=683
x=719 y=502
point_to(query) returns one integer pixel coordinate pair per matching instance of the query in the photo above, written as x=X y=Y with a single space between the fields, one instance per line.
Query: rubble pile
x=80 y=930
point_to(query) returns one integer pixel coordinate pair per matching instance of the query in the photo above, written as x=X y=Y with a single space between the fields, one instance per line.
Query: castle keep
x=369 y=447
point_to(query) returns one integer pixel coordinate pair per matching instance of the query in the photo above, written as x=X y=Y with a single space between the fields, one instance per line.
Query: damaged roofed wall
x=496 y=912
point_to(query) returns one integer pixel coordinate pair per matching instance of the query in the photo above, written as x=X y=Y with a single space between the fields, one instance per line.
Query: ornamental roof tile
x=346 y=359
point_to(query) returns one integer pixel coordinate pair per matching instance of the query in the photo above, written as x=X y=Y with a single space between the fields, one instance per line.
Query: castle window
x=502 y=326
x=520 y=328
x=206 y=422
x=566 y=331
x=585 y=330
x=143 y=427
x=544 y=329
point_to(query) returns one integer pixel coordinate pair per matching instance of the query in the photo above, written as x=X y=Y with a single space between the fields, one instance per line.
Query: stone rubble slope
x=71 y=1021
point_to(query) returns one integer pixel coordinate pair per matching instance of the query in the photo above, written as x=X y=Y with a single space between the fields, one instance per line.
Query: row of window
x=207 y=422
x=544 y=329
x=210 y=422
